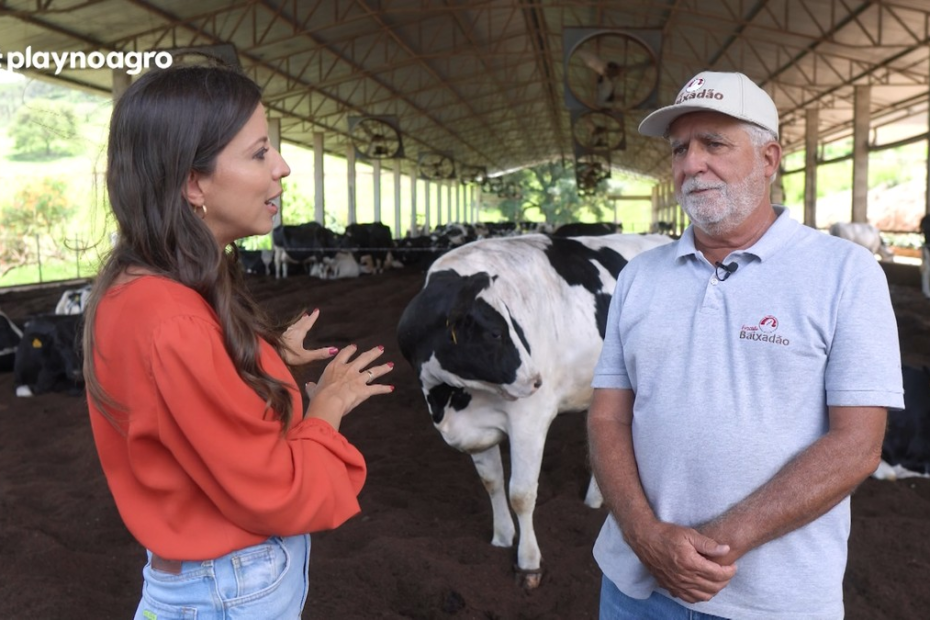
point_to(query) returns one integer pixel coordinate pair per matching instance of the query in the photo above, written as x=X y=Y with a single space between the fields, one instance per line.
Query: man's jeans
x=615 y=605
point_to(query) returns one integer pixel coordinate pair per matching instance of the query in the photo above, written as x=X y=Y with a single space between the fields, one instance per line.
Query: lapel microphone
x=728 y=270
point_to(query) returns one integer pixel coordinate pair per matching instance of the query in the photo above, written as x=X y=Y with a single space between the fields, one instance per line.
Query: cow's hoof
x=528 y=578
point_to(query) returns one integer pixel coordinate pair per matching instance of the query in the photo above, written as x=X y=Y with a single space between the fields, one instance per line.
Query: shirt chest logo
x=763 y=331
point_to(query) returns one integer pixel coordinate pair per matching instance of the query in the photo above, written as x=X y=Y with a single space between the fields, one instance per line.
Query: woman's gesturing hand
x=346 y=383
x=294 y=353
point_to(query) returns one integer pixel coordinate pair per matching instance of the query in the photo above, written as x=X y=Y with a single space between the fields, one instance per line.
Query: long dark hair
x=166 y=125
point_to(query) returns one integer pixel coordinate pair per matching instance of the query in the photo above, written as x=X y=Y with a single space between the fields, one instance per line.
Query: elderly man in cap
x=742 y=389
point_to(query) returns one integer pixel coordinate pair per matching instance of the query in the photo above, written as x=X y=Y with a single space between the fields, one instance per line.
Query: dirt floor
x=421 y=548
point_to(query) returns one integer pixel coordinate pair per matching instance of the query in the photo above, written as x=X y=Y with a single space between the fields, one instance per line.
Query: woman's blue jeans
x=268 y=580
x=615 y=605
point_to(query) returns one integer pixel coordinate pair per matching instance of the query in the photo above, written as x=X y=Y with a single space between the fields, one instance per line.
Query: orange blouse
x=201 y=470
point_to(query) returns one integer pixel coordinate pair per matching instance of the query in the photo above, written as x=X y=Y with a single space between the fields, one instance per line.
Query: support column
x=438 y=204
x=860 y=180
x=426 y=222
x=811 y=129
x=927 y=179
x=413 y=204
x=449 y=201
x=397 y=232
x=350 y=178
x=319 y=208
x=655 y=209
x=376 y=182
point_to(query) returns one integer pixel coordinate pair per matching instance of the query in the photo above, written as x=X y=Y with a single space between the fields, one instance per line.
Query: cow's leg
x=593 y=498
x=491 y=471
x=526 y=450
x=280 y=263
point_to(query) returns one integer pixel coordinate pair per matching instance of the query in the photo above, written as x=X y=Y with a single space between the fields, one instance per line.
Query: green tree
x=39 y=212
x=45 y=128
x=298 y=204
x=550 y=189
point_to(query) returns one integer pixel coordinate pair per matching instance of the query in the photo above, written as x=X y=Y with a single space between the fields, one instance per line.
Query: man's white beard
x=723 y=209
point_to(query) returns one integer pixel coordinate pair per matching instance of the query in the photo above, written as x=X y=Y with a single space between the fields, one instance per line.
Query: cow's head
x=458 y=331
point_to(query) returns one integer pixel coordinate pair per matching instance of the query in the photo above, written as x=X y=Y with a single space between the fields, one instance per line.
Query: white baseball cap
x=732 y=94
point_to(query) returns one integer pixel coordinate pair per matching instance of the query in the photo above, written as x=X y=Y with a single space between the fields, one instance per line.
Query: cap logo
x=707 y=93
x=694 y=84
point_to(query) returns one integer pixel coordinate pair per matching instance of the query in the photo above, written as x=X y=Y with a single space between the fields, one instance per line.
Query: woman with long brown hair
x=194 y=410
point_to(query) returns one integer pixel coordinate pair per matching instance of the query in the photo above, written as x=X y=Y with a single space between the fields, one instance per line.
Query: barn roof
x=502 y=84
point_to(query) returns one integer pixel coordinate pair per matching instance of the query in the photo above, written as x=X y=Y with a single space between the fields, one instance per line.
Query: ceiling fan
x=473 y=174
x=599 y=131
x=376 y=137
x=493 y=185
x=435 y=166
x=611 y=70
x=590 y=170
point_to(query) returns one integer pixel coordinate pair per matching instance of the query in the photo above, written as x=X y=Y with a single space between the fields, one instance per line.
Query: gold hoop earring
x=204 y=208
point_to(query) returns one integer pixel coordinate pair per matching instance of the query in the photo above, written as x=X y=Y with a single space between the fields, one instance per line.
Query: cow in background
x=10 y=335
x=585 y=229
x=417 y=252
x=48 y=356
x=301 y=244
x=372 y=243
x=503 y=337
x=256 y=261
x=865 y=235
x=500 y=229
x=907 y=436
x=73 y=301
x=343 y=265
x=662 y=227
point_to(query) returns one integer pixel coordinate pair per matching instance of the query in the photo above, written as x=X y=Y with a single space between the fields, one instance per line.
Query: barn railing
x=38 y=258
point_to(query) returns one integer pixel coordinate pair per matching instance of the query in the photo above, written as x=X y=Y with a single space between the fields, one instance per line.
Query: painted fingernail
x=315 y=310
x=333 y=351
x=390 y=364
x=392 y=387
x=380 y=348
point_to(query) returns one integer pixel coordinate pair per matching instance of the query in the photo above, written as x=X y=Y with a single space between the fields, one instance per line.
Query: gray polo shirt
x=732 y=380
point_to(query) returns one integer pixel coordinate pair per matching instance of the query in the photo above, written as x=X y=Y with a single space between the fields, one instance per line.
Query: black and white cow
x=503 y=337
x=301 y=244
x=341 y=266
x=48 y=356
x=73 y=301
x=866 y=235
x=587 y=229
x=10 y=335
x=256 y=261
x=372 y=243
x=907 y=436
